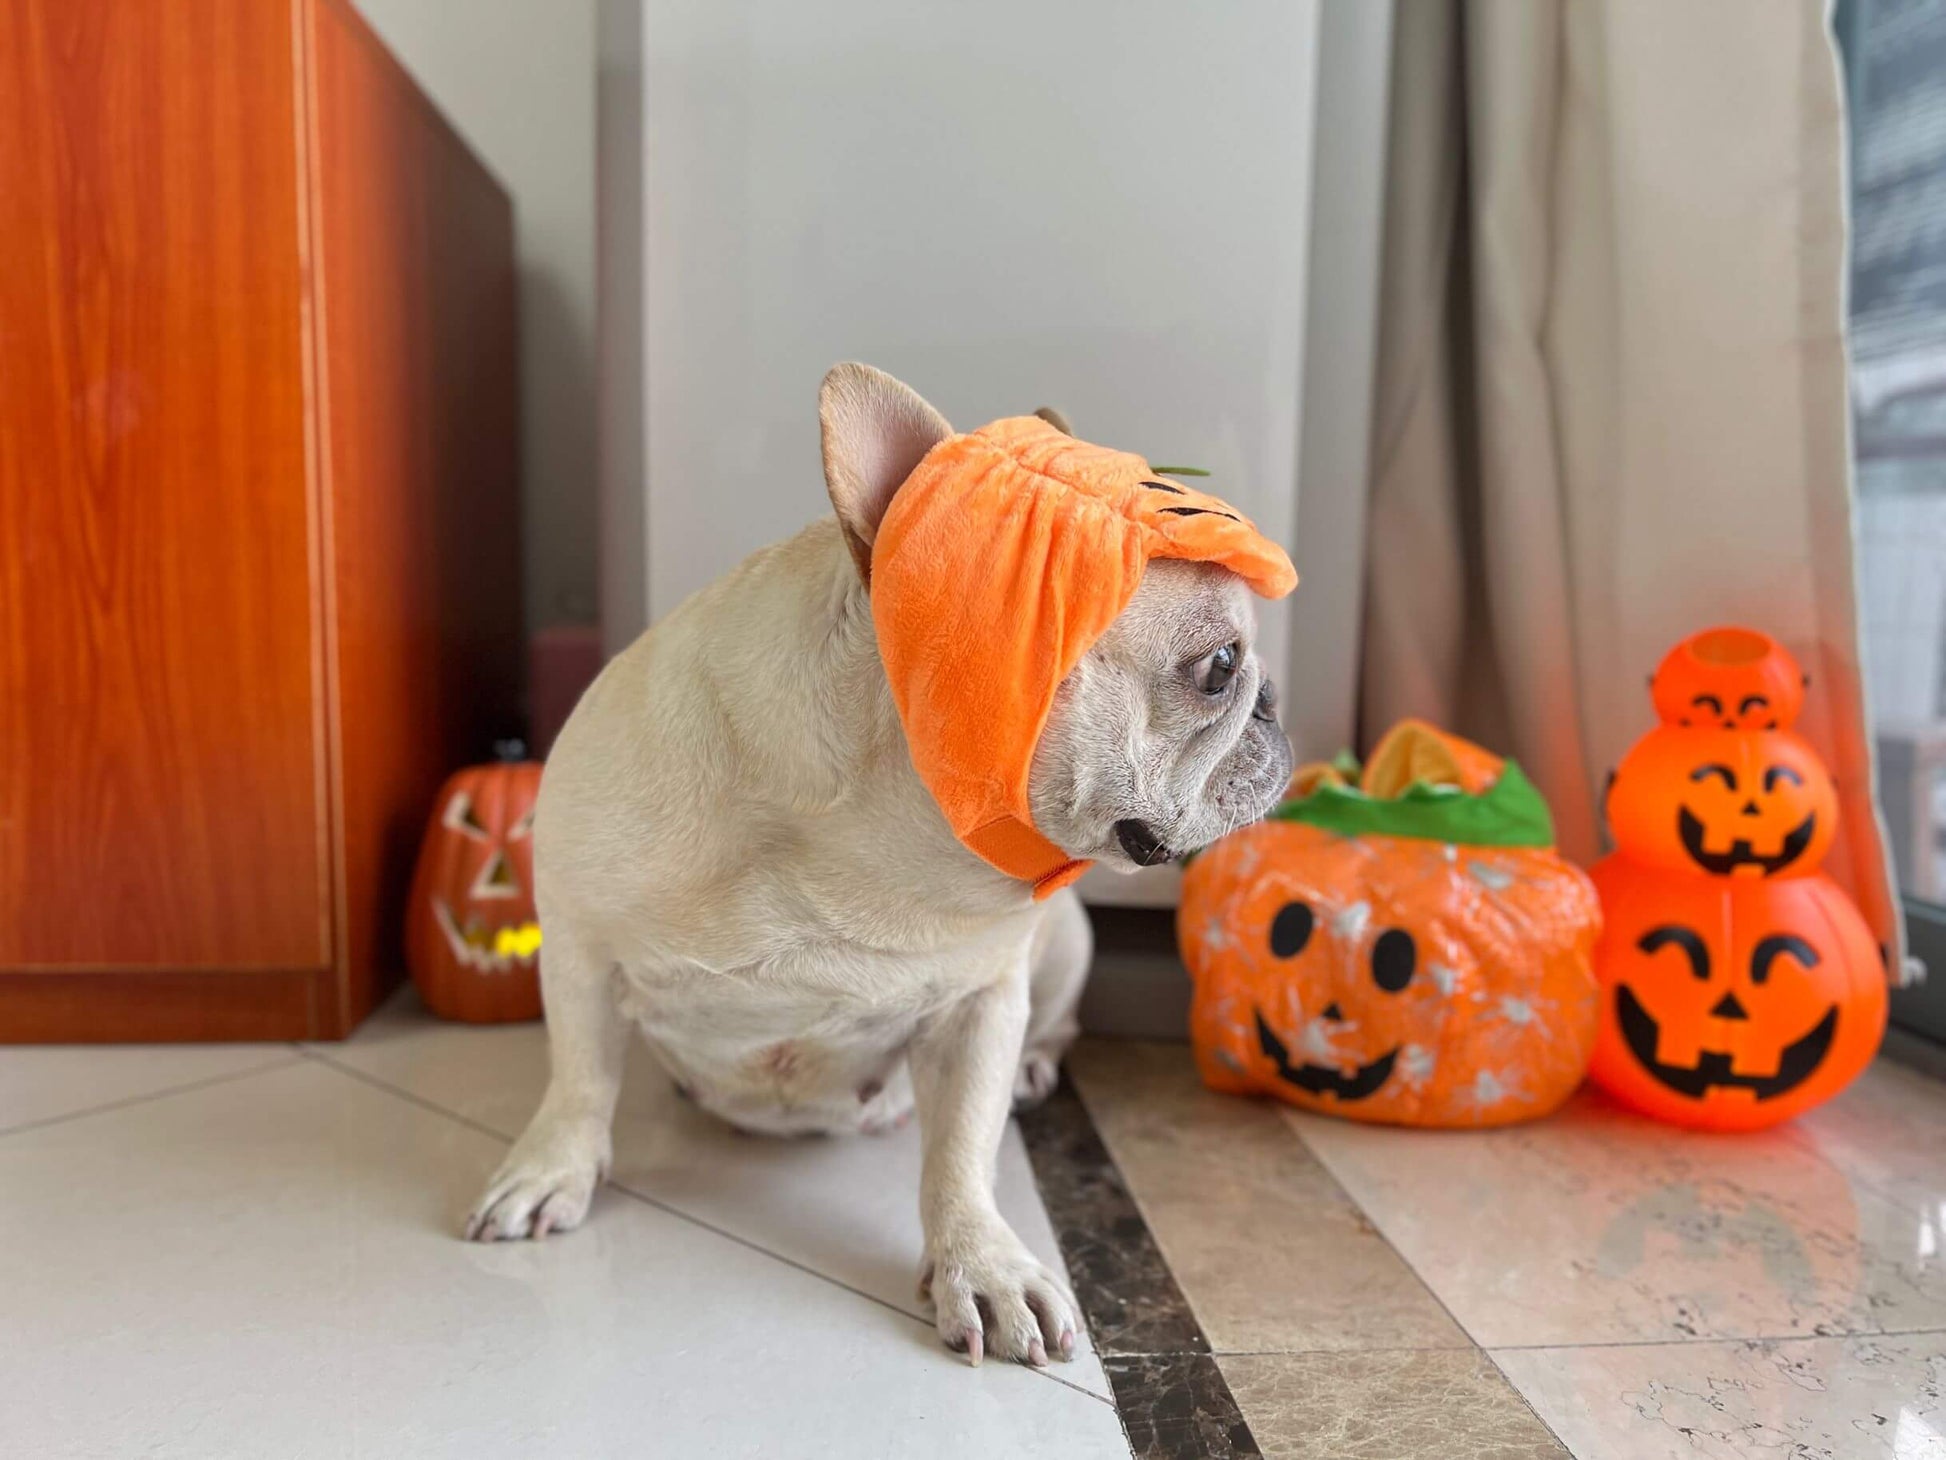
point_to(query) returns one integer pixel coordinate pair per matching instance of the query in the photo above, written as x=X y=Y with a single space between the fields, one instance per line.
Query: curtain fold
x=1611 y=402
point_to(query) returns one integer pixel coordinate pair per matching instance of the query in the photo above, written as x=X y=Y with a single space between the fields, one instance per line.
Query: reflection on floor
x=249 y=1251
x=1592 y=1284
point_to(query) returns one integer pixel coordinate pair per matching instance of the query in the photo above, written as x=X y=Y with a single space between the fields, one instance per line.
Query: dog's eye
x=1214 y=674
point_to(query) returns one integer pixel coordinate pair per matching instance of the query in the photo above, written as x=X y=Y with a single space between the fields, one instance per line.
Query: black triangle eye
x=1290 y=930
x=1394 y=957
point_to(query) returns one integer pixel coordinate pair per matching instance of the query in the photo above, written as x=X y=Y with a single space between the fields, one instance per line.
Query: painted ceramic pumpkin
x=1412 y=954
x=1723 y=802
x=1730 y=678
x=1732 y=1003
x=472 y=938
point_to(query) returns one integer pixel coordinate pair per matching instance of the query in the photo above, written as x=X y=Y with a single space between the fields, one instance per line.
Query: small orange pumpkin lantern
x=1740 y=984
x=472 y=937
x=1409 y=951
x=1733 y=1002
x=1731 y=678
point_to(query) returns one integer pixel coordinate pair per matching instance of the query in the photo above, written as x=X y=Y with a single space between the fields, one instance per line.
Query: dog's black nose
x=1266 y=706
x=1139 y=840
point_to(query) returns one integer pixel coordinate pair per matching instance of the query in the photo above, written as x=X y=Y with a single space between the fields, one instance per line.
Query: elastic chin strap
x=1021 y=852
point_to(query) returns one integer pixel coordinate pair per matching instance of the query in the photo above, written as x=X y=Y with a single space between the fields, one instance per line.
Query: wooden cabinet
x=259 y=536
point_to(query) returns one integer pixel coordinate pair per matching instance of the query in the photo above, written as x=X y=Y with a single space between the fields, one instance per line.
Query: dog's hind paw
x=1036 y=1078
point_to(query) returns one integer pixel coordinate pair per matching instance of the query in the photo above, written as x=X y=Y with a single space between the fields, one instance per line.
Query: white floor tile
x=45 y=1082
x=1837 y=1398
x=846 y=1207
x=266 y=1267
x=1597 y=1226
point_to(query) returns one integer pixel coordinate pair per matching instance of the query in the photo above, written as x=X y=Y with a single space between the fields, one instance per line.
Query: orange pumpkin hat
x=1002 y=558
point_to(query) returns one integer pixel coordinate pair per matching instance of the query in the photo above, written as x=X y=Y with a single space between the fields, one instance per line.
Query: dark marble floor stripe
x=1173 y=1400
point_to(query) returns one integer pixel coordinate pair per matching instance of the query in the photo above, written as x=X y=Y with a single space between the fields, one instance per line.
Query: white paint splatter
x=1350 y=920
x=1494 y=879
x=1452 y=852
x=1444 y=978
x=1415 y=1064
x=1488 y=1090
x=1516 y=1010
x=1317 y=1042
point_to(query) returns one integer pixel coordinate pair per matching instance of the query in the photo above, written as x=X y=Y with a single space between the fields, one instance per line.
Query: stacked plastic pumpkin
x=1740 y=985
x=1399 y=944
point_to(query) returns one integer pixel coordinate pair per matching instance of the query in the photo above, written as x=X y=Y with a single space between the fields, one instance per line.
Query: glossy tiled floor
x=249 y=1251
x=1591 y=1284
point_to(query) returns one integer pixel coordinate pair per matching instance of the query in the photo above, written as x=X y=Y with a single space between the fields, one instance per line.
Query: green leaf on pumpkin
x=1509 y=813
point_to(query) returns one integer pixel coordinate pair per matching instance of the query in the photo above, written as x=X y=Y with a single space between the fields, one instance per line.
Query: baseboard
x=1139 y=988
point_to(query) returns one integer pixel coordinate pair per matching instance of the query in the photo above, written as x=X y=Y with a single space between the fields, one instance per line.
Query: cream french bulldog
x=735 y=858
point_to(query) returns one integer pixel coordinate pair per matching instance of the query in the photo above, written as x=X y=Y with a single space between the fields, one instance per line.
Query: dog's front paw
x=544 y=1185
x=992 y=1296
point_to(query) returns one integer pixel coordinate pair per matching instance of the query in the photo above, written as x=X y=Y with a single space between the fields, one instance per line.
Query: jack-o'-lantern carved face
x=486 y=907
x=1348 y=1056
x=1723 y=802
x=1728 y=679
x=1730 y=1003
x=1361 y=959
x=472 y=936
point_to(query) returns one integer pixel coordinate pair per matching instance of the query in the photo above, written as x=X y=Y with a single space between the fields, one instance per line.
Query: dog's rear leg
x=549 y=1177
x=1064 y=947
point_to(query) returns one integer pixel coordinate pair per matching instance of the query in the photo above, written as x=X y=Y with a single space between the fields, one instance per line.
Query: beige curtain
x=1611 y=400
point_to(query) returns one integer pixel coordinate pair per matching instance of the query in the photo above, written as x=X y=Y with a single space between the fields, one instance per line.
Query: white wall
x=1103 y=206
x=517 y=78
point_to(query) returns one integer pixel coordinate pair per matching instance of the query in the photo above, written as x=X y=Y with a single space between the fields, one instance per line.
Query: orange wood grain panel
x=159 y=796
x=91 y=1007
x=414 y=248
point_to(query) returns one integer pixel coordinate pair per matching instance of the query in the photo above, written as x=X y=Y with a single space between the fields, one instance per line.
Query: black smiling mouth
x=1712 y=1071
x=1322 y=1079
x=1740 y=855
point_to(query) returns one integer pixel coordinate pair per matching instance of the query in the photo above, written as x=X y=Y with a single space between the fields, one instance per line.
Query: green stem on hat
x=1179 y=471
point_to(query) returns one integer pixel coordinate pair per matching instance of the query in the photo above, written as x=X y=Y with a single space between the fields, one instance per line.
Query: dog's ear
x=1055 y=419
x=875 y=431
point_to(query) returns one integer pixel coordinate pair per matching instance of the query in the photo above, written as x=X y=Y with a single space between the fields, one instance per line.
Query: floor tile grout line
x=1379 y=1231
x=129 y=1102
x=1407 y=1263
x=1677 y=1343
x=824 y=1277
x=1503 y=1348
x=412 y=1097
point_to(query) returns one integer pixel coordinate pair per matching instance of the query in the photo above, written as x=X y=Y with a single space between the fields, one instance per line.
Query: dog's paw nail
x=1067 y=1343
x=975 y=1347
x=1037 y=1354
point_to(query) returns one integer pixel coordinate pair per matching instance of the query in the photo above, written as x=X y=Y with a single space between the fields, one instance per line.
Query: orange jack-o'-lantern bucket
x=1740 y=986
